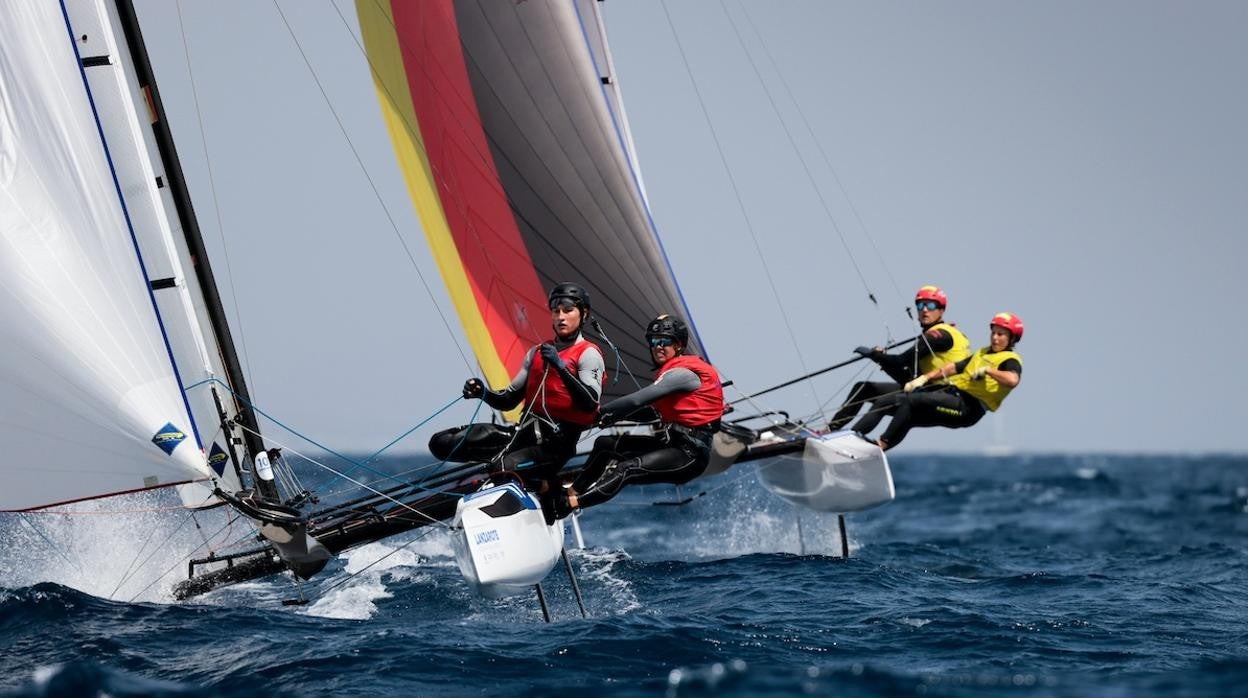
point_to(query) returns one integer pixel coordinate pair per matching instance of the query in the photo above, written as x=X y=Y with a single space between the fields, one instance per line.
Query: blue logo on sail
x=217 y=459
x=168 y=438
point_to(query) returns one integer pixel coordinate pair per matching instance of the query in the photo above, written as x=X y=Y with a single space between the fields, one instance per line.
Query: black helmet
x=668 y=326
x=569 y=292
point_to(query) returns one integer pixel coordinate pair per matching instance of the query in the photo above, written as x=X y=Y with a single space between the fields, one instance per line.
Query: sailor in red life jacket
x=689 y=401
x=559 y=383
x=975 y=384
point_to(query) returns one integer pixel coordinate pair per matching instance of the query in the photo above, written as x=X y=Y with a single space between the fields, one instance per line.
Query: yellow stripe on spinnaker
x=390 y=79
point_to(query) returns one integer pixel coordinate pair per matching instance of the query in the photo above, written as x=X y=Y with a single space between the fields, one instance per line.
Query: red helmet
x=1008 y=321
x=932 y=293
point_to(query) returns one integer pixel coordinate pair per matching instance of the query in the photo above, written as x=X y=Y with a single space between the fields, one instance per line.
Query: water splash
x=131 y=547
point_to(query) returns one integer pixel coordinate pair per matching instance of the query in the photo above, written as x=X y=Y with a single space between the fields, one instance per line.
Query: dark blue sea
x=1020 y=575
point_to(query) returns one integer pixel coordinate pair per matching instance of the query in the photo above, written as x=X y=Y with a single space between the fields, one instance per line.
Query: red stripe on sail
x=99 y=496
x=496 y=261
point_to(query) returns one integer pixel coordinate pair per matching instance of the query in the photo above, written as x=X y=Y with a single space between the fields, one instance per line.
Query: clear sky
x=1081 y=164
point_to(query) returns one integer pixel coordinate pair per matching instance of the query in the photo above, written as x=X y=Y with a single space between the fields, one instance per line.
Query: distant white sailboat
x=999 y=447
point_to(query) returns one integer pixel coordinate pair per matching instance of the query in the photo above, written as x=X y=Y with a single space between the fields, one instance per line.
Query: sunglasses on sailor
x=661 y=341
x=927 y=305
x=564 y=305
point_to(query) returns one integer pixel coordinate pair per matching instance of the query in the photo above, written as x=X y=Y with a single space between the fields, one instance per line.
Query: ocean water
x=1023 y=575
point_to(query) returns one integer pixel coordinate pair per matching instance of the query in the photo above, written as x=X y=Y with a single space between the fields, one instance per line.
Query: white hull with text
x=502 y=542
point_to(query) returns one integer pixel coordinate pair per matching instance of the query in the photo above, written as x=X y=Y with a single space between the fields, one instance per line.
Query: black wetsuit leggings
x=942 y=406
x=628 y=459
x=521 y=450
x=859 y=395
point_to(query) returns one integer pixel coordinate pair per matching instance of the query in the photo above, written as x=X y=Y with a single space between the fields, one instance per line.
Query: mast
x=195 y=243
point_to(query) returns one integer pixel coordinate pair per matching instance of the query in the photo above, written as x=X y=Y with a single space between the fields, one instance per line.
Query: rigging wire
x=175 y=565
x=522 y=424
x=212 y=189
x=56 y=548
x=404 y=435
x=736 y=190
x=804 y=422
x=268 y=416
x=362 y=485
x=320 y=488
x=308 y=439
x=371 y=183
x=200 y=530
x=827 y=164
x=792 y=428
x=836 y=177
x=823 y=202
x=396 y=476
x=428 y=466
x=355 y=464
x=126 y=573
x=133 y=569
x=822 y=153
x=874 y=400
x=860 y=374
x=810 y=176
x=284 y=478
x=619 y=360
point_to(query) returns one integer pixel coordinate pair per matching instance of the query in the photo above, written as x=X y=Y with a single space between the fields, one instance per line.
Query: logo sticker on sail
x=217 y=458
x=168 y=438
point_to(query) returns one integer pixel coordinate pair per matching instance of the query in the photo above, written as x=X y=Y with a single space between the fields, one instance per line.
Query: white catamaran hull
x=502 y=542
x=838 y=472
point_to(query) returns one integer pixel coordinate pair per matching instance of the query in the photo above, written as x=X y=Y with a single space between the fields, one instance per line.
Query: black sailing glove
x=607 y=417
x=550 y=356
x=582 y=396
x=473 y=388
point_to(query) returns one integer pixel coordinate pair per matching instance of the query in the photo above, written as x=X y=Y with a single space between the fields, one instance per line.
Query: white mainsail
x=92 y=401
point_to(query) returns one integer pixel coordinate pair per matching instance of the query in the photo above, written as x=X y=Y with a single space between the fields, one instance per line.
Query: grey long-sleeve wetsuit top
x=677 y=380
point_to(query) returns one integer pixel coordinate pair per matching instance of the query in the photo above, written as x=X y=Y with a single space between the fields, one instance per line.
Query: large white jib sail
x=104 y=329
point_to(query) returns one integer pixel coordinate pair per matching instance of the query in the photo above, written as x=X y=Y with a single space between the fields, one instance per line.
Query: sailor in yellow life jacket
x=940 y=343
x=976 y=384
